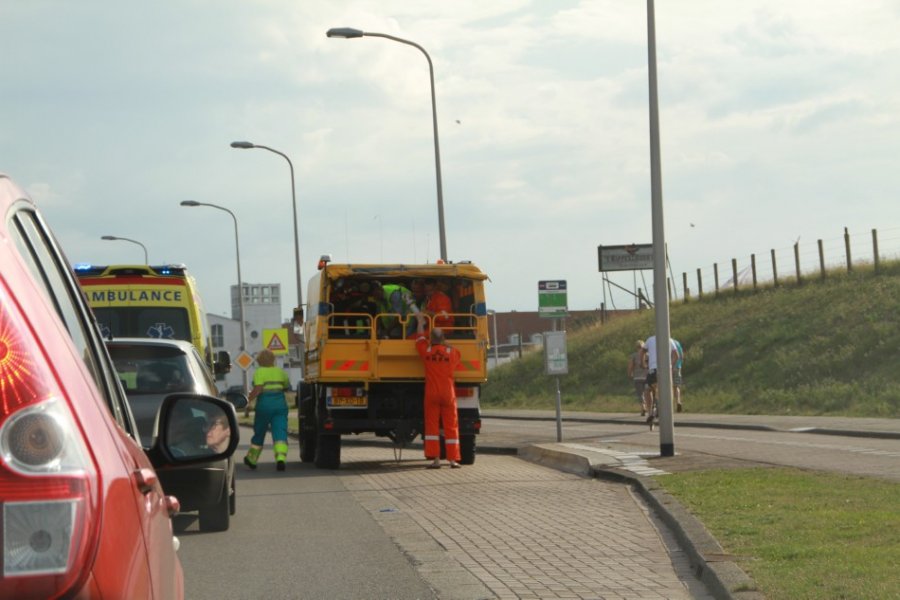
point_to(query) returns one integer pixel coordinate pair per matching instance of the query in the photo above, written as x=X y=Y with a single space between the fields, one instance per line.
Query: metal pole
x=437 y=149
x=248 y=145
x=237 y=249
x=496 y=343
x=296 y=229
x=663 y=353
x=558 y=412
x=124 y=239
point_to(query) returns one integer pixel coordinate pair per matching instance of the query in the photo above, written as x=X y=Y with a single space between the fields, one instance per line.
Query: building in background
x=262 y=310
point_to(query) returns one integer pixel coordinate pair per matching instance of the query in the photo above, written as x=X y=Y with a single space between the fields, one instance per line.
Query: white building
x=262 y=310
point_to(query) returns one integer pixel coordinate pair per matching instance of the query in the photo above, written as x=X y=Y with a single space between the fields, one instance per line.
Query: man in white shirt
x=650 y=351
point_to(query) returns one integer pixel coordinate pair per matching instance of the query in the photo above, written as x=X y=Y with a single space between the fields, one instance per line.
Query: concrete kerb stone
x=721 y=575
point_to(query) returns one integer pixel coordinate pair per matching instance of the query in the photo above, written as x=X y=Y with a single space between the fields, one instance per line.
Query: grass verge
x=801 y=535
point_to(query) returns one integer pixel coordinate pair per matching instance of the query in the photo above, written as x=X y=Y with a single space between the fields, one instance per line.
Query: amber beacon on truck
x=362 y=373
x=149 y=302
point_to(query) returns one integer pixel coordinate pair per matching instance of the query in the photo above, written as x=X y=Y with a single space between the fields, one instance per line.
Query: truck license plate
x=349 y=401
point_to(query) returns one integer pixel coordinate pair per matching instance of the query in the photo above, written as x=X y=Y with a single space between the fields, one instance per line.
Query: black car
x=152 y=369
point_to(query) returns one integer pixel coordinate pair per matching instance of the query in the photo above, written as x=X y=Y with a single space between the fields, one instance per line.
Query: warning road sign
x=276 y=340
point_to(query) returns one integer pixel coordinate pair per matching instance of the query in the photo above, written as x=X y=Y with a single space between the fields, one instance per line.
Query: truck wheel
x=467 y=449
x=218 y=516
x=307 y=446
x=328 y=452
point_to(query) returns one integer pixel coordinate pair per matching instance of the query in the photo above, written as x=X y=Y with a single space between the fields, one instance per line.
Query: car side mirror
x=222 y=363
x=194 y=428
x=238 y=399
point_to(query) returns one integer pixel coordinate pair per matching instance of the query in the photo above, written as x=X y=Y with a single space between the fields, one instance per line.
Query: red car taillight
x=48 y=480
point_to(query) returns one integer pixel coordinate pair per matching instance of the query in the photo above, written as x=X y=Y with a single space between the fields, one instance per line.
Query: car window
x=200 y=365
x=48 y=269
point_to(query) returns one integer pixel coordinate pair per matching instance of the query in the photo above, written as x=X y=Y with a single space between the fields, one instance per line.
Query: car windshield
x=151 y=322
x=151 y=370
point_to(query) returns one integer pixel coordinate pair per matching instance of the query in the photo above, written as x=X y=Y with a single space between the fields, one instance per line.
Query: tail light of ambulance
x=48 y=479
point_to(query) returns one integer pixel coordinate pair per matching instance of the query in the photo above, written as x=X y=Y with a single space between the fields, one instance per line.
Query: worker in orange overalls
x=440 y=395
x=438 y=304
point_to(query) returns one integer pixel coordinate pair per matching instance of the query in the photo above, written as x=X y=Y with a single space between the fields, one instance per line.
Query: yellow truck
x=362 y=373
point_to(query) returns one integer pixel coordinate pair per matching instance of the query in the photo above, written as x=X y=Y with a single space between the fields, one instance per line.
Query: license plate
x=349 y=401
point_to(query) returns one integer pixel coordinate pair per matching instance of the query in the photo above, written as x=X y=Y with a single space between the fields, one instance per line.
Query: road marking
x=630 y=461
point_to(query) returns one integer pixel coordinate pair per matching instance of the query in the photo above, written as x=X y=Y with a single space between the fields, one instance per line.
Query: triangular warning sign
x=275 y=344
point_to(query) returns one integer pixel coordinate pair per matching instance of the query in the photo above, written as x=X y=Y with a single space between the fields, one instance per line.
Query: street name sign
x=632 y=257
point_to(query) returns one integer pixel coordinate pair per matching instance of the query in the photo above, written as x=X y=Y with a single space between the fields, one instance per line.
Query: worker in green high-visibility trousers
x=269 y=384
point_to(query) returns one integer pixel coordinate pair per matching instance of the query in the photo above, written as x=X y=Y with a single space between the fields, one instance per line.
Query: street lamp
x=349 y=32
x=237 y=249
x=298 y=312
x=124 y=239
x=660 y=291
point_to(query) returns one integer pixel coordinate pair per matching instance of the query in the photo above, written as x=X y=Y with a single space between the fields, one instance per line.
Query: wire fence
x=797 y=263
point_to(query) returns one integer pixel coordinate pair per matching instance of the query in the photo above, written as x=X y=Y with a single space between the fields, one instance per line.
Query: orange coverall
x=440 y=398
x=437 y=303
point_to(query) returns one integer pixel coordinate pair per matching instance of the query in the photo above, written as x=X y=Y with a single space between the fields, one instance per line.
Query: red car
x=84 y=514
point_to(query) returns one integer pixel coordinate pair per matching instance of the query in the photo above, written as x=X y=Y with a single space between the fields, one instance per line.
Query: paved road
x=502 y=528
x=512 y=528
x=869 y=447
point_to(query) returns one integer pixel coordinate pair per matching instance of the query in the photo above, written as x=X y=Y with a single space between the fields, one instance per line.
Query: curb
x=712 y=566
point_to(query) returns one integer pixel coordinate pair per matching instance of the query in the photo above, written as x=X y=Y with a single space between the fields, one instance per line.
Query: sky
x=779 y=124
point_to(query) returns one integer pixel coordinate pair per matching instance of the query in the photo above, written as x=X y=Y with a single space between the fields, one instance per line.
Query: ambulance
x=151 y=302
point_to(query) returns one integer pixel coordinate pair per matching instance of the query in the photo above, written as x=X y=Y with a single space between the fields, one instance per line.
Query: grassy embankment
x=823 y=348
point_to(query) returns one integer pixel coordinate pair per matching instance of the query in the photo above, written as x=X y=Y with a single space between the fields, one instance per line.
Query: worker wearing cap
x=269 y=384
x=440 y=362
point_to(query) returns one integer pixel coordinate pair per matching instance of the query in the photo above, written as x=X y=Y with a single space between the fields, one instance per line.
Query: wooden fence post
x=687 y=292
x=797 y=262
x=753 y=269
x=821 y=259
x=875 y=248
x=774 y=269
x=699 y=285
x=716 y=276
x=734 y=274
x=847 y=246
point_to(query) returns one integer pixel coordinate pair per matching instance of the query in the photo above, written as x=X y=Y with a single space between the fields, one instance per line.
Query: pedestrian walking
x=269 y=384
x=440 y=361
x=637 y=372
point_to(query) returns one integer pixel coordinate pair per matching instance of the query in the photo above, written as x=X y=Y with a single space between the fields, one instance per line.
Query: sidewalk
x=713 y=566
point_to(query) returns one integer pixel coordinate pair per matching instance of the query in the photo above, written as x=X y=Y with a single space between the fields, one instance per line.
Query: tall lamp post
x=237 y=249
x=660 y=291
x=298 y=312
x=349 y=32
x=111 y=238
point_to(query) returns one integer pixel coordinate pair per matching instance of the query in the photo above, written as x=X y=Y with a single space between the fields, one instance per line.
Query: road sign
x=244 y=360
x=276 y=340
x=556 y=361
x=633 y=257
x=552 y=299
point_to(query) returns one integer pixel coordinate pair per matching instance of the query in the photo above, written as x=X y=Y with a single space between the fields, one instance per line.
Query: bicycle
x=653 y=413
